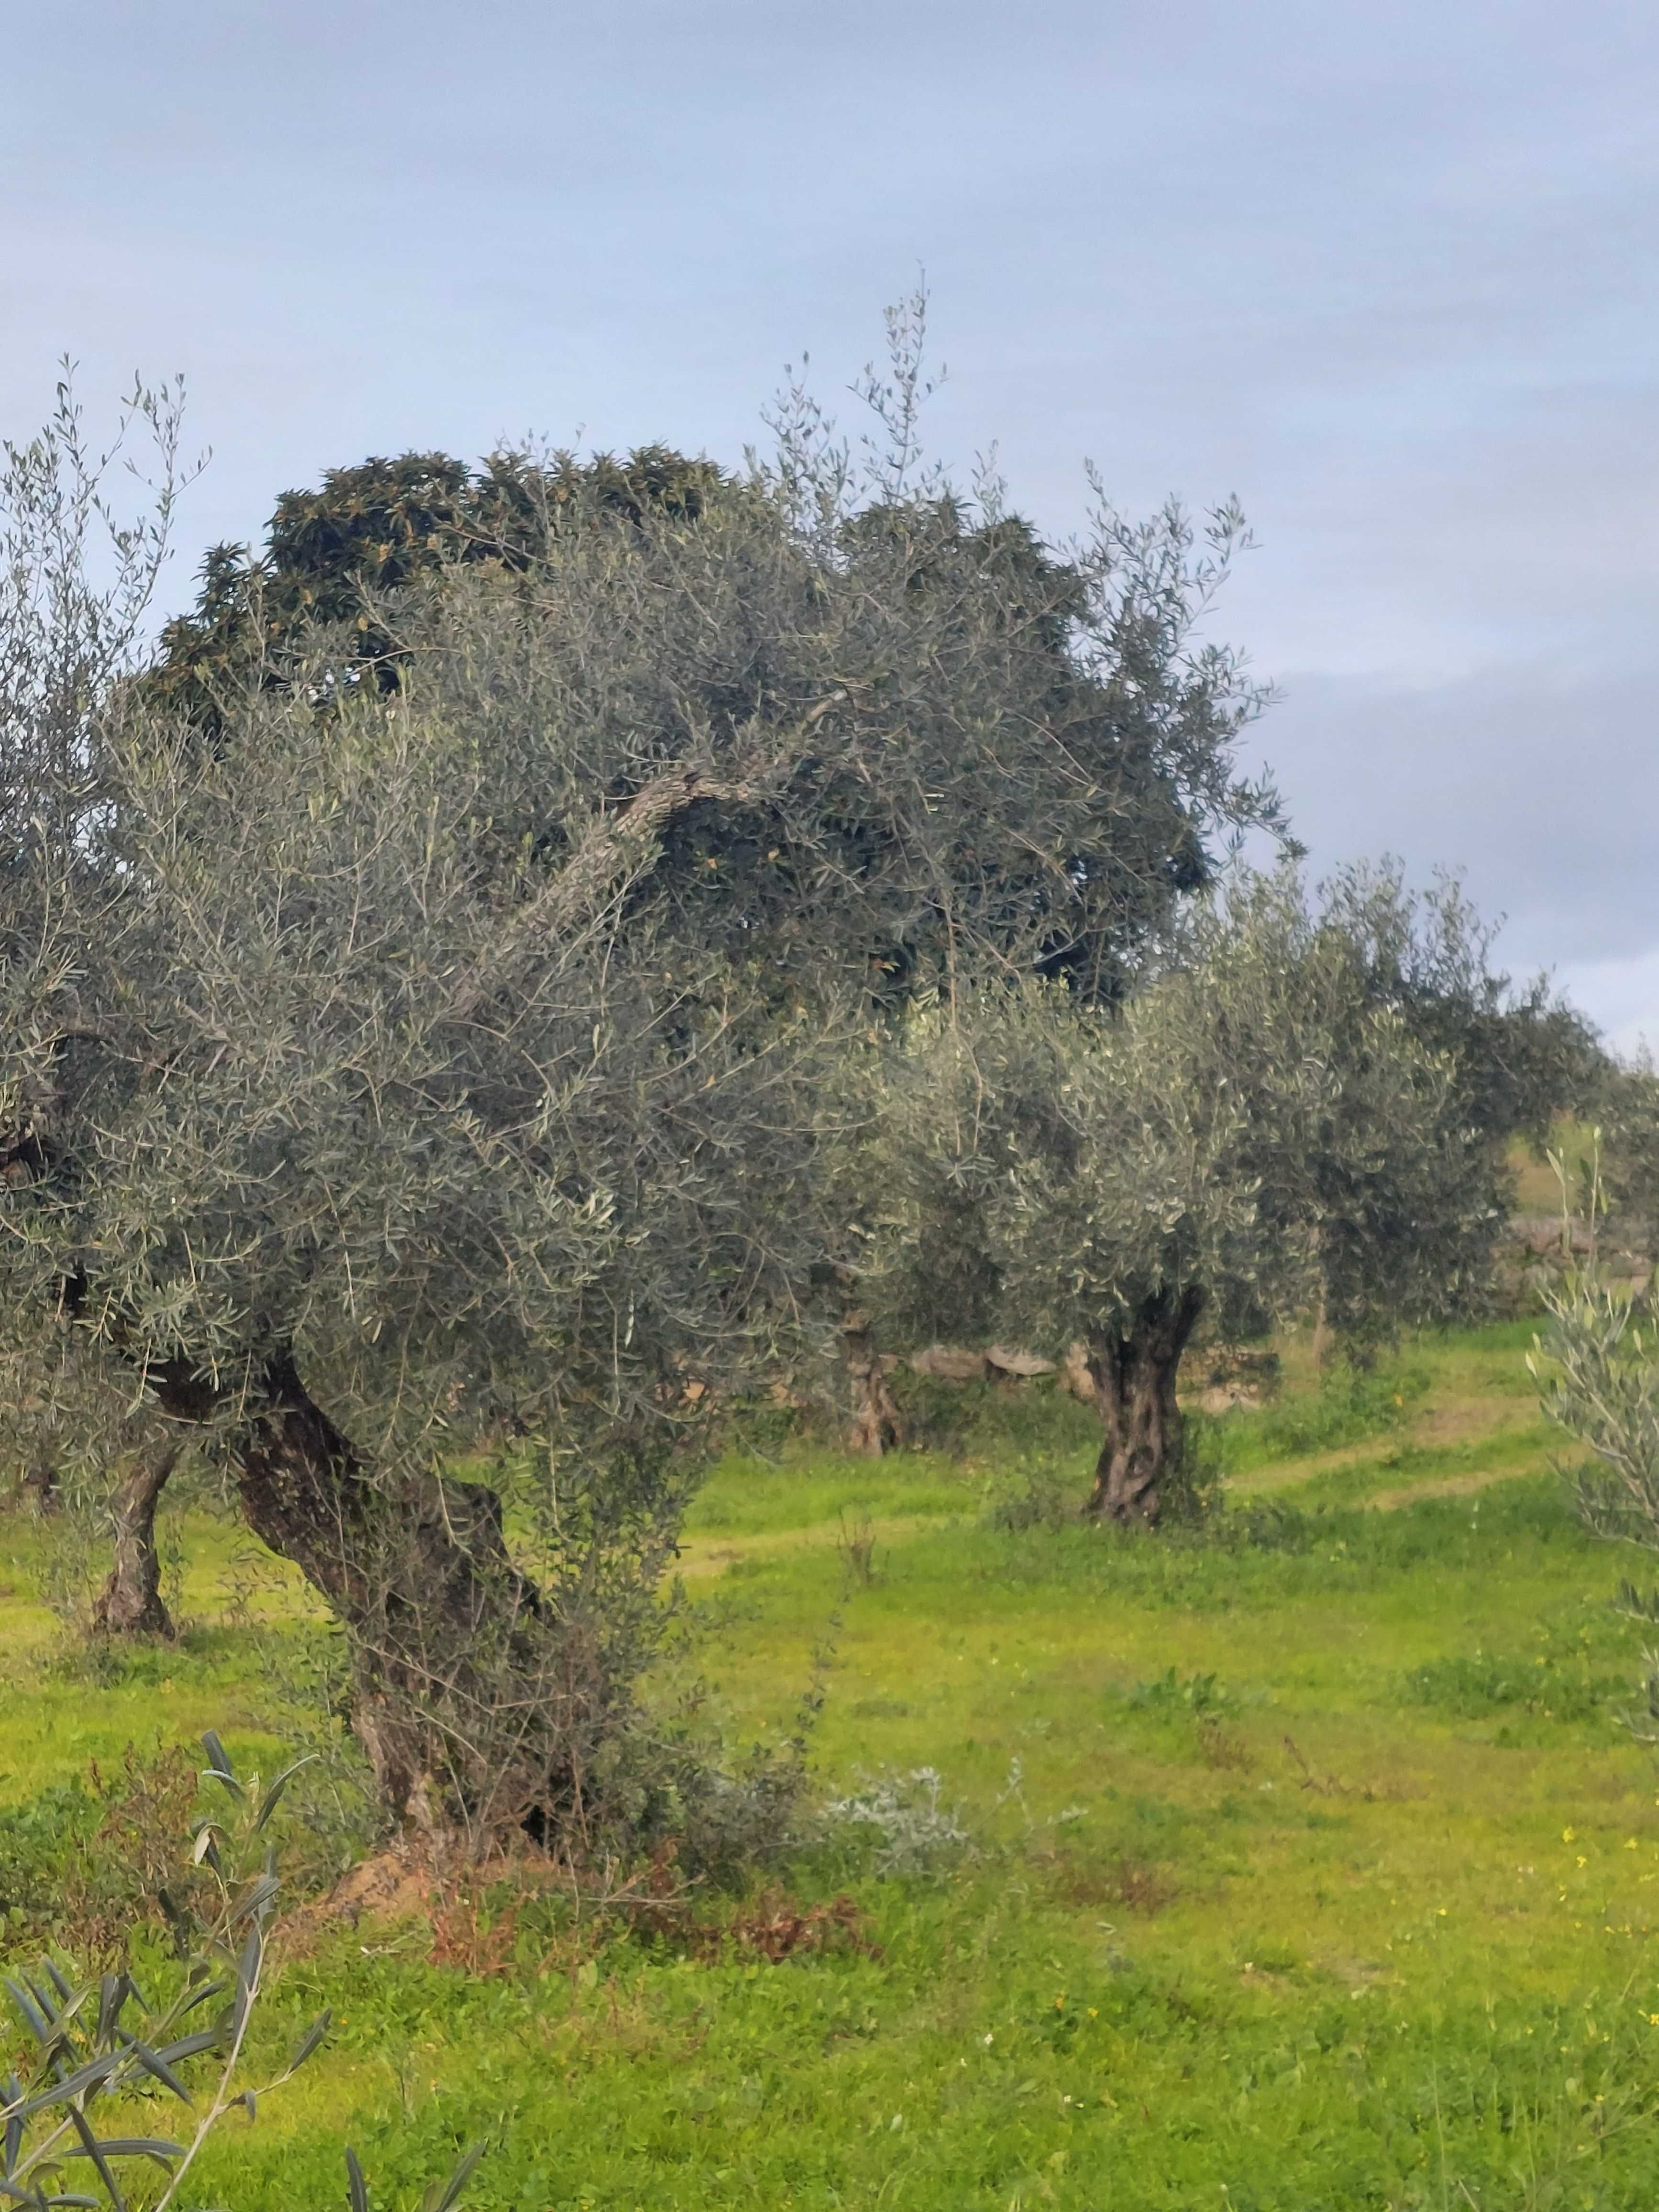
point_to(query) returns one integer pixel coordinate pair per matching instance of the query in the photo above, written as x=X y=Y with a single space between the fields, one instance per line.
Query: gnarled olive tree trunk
x=1134 y=1370
x=877 y=1425
x=453 y=1698
x=130 y=1602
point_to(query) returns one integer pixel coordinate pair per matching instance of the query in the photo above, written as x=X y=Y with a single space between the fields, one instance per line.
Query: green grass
x=1313 y=1869
x=1349 y=1408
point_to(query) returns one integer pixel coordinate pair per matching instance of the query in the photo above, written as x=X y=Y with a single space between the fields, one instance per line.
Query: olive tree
x=1522 y=1053
x=1598 y=1378
x=415 y=1092
x=1620 y=1178
x=351 y=1134
x=1596 y=1367
x=1249 y=1136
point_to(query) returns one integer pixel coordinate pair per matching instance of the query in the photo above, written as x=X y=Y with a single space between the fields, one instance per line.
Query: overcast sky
x=1384 y=268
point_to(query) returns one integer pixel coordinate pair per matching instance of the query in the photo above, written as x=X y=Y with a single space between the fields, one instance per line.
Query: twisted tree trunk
x=130 y=1602
x=876 y=1424
x=1134 y=1370
x=452 y=1672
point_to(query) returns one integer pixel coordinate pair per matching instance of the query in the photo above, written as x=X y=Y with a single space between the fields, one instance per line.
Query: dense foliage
x=398 y=1074
x=376 y=528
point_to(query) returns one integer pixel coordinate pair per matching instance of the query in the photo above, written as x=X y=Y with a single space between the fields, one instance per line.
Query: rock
x=1541 y=1234
x=1223 y=1397
x=949 y=1363
x=1017 y=1363
x=1074 y=1376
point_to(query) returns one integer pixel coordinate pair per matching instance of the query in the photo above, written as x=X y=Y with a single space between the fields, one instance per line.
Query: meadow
x=1299 y=1862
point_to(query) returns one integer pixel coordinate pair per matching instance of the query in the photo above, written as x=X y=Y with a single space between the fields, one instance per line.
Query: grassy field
x=1309 y=1867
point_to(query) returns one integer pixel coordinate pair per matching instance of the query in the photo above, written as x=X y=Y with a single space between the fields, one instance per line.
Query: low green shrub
x=1469 y=1687
x=1200 y=1695
x=37 y=1838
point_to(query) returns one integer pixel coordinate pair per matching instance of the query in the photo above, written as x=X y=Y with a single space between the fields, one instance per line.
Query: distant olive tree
x=418 y=1092
x=1521 y=1052
x=1250 y=1136
x=1597 y=1370
x=1596 y=1367
x=1623 y=1110
x=333 y=555
x=1020 y=756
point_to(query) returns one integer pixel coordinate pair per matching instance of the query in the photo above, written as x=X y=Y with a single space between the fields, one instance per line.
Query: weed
x=914 y=1832
x=85 y=1862
x=38 y=1839
x=1200 y=1695
x=776 y=1928
x=856 y=1548
x=475 y=1928
x=1222 y=1749
x=1043 y=1497
x=1140 y=1887
x=1544 y=1686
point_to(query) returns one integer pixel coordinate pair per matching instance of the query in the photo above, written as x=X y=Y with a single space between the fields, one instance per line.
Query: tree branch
x=626 y=843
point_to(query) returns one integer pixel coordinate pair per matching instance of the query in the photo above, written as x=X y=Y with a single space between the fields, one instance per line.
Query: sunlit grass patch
x=1346 y=1405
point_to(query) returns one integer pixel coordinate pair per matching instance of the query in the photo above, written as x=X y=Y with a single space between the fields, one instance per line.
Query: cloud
x=1382 y=271
x=1621 y=996
x=1542 y=790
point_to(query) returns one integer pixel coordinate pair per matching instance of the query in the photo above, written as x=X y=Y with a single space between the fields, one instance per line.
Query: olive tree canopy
x=1020 y=755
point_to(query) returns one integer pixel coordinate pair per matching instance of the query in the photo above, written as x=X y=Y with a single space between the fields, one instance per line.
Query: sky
x=1387 y=272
